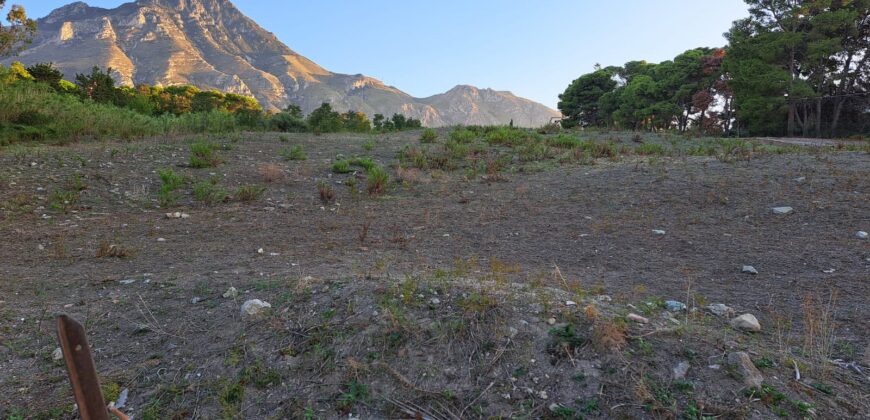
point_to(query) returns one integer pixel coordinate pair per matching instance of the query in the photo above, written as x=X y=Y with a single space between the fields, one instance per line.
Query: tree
x=580 y=101
x=798 y=64
x=46 y=73
x=19 y=33
x=98 y=86
x=294 y=110
x=324 y=119
x=356 y=122
x=378 y=121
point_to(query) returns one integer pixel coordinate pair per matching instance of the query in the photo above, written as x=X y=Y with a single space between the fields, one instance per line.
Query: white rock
x=748 y=269
x=551 y=321
x=861 y=234
x=747 y=370
x=260 y=251
x=720 y=309
x=783 y=210
x=57 y=354
x=570 y=303
x=255 y=307
x=746 y=322
x=658 y=232
x=637 y=318
x=161 y=239
x=231 y=293
x=680 y=370
x=435 y=301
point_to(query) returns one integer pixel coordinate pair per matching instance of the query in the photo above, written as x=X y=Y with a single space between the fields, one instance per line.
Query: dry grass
x=326 y=192
x=608 y=335
x=271 y=172
x=819 y=326
x=408 y=175
x=108 y=250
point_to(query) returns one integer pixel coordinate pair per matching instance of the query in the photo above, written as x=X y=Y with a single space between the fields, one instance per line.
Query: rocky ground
x=504 y=283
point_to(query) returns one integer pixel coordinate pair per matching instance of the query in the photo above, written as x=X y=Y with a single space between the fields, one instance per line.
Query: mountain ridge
x=211 y=44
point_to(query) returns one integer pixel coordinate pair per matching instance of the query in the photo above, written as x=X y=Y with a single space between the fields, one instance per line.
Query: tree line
x=791 y=68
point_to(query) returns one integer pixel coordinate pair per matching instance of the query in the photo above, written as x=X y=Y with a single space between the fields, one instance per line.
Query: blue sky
x=533 y=48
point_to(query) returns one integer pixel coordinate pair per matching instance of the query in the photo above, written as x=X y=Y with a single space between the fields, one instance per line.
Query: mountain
x=212 y=45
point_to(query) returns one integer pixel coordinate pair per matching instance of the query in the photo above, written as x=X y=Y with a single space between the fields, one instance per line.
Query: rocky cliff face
x=212 y=45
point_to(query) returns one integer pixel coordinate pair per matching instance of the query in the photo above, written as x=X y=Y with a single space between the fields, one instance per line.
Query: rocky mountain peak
x=213 y=45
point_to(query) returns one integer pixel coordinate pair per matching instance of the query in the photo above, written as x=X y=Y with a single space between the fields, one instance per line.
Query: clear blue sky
x=533 y=48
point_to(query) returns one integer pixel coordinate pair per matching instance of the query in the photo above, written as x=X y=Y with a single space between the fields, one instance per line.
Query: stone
x=637 y=318
x=658 y=232
x=675 y=306
x=57 y=354
x=255 y=307
x=720 y=309
x=746 y=322
x=783 y=210
x=195 y=300
x=127 y=281
x=680 y=370
x=861 y=234
x=743 y=364
x=231 y=293
x=748 y=269
x=434 y=301
x=570 y=303
x=551 y=321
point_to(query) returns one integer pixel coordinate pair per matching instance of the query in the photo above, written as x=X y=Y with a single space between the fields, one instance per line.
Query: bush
x=287 y=123
x=209 y=193
x=202 y=155
x=506 y=136
x=341 y=167
x=428 y=136
x=378 y=180
x=249 y=192
x=326 y=192
x=366 y=163
x=564 y=141
x=296 y=152
x=463 y=135
x=325 y=120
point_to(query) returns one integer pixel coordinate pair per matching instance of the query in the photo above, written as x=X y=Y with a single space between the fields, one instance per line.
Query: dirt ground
x=435 y=299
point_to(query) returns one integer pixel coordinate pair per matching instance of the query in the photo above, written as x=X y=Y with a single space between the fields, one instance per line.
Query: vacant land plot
x=468 y=273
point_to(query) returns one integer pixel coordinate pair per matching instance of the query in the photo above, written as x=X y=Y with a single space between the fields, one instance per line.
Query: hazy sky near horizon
x=533 y=48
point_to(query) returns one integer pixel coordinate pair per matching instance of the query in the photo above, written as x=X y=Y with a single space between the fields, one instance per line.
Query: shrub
x=341 y=167
x=428 y=136
x=325 y=120
x=564 y=141
x=270 y=172
x=506 y=136
x=202 y=155
x=249 y=192
x=378 y=180
x=533 y=151
x=170 y=182
x=462 y=135
x=294 y=153
x=209 y=193
x=366 y=163
x=286 y=122
x=326 y=192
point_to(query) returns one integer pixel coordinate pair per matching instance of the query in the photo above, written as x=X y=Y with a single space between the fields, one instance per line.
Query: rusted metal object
x=81 y=368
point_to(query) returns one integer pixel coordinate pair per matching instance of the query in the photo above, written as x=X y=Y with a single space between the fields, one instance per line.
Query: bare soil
x=433 y=299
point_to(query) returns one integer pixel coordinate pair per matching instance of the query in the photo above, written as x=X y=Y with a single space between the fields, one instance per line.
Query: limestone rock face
x=212 y=45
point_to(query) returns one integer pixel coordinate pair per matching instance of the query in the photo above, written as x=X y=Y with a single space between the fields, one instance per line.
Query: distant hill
x=212 y=45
